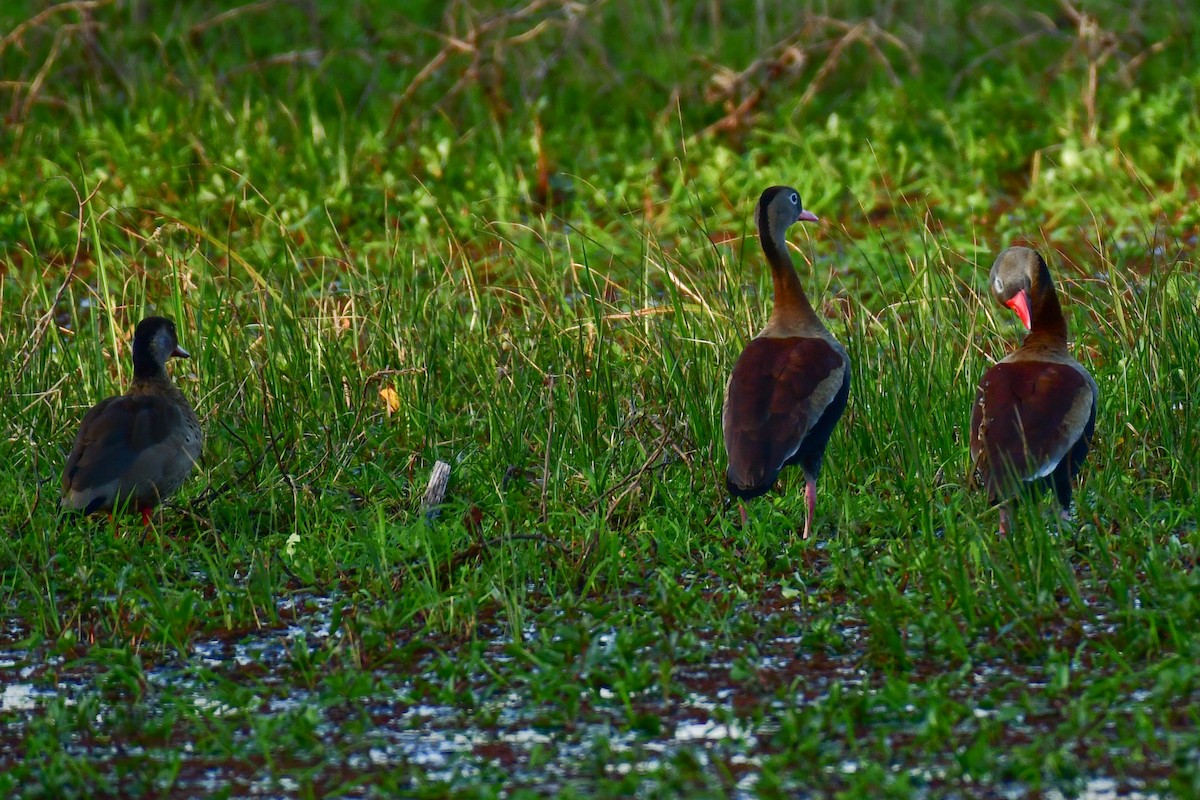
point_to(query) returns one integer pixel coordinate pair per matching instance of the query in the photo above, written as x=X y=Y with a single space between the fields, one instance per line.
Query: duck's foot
x=1066 y=523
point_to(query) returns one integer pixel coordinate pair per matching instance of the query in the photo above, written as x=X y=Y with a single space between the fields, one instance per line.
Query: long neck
x=791 y=304
x=149 y=374
x=1049 y=327
x=145 y=367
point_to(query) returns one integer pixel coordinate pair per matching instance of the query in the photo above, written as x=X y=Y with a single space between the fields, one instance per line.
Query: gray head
x=154 y=343
x=778 y=209
x=1019 y=277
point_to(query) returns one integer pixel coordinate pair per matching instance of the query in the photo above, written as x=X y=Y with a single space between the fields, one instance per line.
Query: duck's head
x=154 y=343
x=1019 y=277
x=778 y=209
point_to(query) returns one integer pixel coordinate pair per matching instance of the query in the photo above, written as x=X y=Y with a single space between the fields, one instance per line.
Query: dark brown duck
x=790 y=385
x=1035 y=411
x=134 y=450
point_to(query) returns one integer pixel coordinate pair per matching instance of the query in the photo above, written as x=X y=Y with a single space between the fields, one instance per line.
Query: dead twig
x=226 y=16
x=79 y=6
x=1089 y=42
x=479 y=548
x=34 y=342
x=486 y=42
x=628 y=483
x=549 y=445
x=742 y=92
x=25 y=94
x=310 y=58
x=272 y=437
x=210 y=493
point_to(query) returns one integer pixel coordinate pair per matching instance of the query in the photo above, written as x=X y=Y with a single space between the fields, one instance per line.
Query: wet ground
x=266 y=713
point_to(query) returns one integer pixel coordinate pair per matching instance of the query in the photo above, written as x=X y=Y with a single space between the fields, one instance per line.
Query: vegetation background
x=515 y=238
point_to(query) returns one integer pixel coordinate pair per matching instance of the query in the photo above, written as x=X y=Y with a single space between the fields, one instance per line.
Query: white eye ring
x=998 y=285
x=795 y=199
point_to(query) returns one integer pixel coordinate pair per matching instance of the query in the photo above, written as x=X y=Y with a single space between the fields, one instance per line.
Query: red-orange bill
x=1019 y=303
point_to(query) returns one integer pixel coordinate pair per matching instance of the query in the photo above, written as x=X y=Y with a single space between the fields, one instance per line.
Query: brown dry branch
x=631 y=483
x=17 y=34
x=309 y=57
x=628 y=484
x=1088 y=42
x=223 y=17
x=478 y=549
x=1096 y=46
x=274 y=437
x=486 y=43
x=742 y=92
x=549 y=446
x=26 y=93
x=34 y=343
x=1047 y=28
x=33 y=88
x=869 y=34
x=204 y=499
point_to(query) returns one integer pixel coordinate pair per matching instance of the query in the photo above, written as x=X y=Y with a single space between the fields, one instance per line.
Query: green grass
x=540 y=255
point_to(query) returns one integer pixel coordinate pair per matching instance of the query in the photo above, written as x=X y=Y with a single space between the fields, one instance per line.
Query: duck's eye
x=998 y=285
x=795 y=199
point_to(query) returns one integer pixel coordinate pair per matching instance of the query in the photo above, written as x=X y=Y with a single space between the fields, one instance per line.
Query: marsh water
x=204 y=715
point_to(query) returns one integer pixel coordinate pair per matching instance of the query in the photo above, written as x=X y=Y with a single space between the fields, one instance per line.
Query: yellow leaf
x=390 y=399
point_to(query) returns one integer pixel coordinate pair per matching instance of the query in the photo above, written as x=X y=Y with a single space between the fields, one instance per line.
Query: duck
x=790 y=384
x=134 y=450
x=1035 y=410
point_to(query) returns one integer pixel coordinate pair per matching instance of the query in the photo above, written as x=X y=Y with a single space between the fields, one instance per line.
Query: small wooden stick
x=435 y=492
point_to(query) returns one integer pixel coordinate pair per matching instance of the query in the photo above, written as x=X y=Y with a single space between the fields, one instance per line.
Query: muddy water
x=500 y=736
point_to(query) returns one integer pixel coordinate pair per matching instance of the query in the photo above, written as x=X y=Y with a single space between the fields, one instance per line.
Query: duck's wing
x=779 y=388
x=1026 y=418
x=128 y=446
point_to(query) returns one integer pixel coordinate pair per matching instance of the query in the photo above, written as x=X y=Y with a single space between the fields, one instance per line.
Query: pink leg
x=1004 y=521
x=146 y=517
x=742 y=509
x=810 y=501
